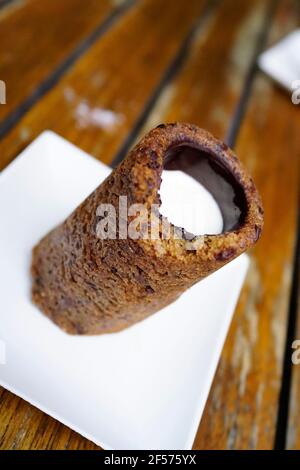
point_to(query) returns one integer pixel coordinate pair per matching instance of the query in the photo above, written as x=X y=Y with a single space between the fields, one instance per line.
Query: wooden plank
x=208 y=89
x=7 y=6
x=242 y=407
x=241 y=412
x=96 y=104
x=223 y=59
x=119 y=73
x=293 y=428
x=36 y=37
x=243 y=404
x=25 y=427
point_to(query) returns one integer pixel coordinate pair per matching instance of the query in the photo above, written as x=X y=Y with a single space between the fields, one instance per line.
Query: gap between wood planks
x=169 y=75
x=4 y=3
x=8 y=6
x=285 y=392
x=238 y=115
x=243 y=101
x=12 y=119
x=175 y=68
x=281 y=427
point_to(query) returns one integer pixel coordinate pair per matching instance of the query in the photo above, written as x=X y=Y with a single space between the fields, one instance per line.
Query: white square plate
x=142 y=388
x=282 y=61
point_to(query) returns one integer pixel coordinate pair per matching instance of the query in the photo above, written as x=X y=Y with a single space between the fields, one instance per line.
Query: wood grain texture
x=25 y=427
x=259 y=327
x=8 y=6
x=36 y=37
x=98 y=101
x=242 y=409
x=118 y=74
x=293 y=426
x=207 y=90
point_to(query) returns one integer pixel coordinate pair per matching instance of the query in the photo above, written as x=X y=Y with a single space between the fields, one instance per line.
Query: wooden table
x=150 y=61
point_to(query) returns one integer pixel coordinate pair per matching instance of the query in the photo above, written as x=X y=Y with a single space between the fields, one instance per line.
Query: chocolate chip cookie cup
x=93 y=281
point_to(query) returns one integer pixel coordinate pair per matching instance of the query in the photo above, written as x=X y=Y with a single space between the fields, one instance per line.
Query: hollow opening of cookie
x=208 y=198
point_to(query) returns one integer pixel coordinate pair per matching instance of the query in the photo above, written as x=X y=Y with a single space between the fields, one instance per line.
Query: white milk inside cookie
x=187 y=204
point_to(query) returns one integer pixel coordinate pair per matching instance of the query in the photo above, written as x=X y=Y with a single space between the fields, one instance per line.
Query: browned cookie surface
x=90 y=285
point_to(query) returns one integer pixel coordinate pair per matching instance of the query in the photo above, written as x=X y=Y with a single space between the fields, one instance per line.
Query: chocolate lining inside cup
x=213 y=175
